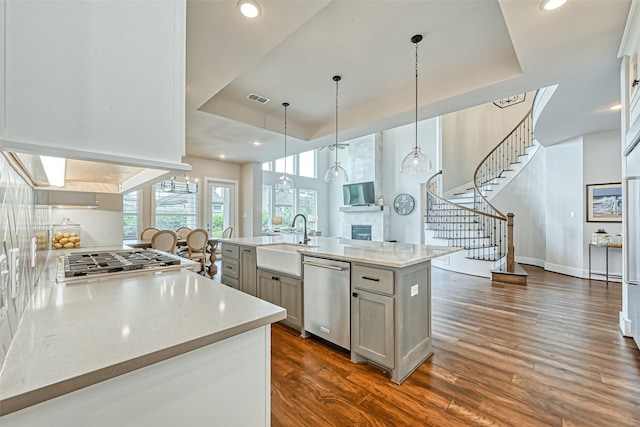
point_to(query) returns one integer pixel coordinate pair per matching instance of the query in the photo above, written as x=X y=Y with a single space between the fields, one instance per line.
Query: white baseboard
x=563 y=269
x=625 y=325
x=530 y=261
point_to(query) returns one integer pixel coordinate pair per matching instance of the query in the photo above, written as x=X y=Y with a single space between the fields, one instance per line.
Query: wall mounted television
x=358 y=194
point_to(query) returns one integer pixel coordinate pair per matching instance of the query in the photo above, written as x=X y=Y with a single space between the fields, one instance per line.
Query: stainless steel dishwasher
x=327 y=300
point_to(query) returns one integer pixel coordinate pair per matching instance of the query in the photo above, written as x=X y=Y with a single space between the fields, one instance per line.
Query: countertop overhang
x=73 y=336
x=388 y=254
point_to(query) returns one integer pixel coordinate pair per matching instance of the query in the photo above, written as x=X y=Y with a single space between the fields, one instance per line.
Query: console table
x=606 y=271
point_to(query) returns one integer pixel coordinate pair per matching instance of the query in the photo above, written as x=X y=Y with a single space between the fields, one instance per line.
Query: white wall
x=525 y=198
x=101 y=226
x=564 y=236
x=602 y=165
x=469 y=135
x=548 y=199
x=396 y=144
x=250 y=194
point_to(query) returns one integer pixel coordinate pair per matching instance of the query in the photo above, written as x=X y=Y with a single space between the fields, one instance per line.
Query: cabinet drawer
x=372 y=279
x=230 y=268
x=230 y=251
x=230 y=281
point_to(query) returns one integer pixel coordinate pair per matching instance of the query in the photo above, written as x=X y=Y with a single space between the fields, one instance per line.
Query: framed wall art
x=604 y=202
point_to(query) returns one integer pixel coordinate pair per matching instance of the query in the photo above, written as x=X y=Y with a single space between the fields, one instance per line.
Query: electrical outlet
x=14 y=272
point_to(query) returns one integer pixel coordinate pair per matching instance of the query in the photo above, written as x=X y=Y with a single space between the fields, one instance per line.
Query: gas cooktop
x=90 y=263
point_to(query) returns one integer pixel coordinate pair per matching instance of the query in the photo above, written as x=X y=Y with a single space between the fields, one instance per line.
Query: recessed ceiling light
x=249 y=8
x=615 y=107
x=256 y=143
x=222 y=156
x=552 y=4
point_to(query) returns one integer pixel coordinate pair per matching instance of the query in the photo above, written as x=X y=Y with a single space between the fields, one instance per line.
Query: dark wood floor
x=548 y=354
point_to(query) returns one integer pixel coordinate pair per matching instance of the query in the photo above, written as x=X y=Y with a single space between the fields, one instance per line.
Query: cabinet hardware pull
x=355 y=294
x=246 y=250
x=330 y=267
x=635 y=83
x=373 y=279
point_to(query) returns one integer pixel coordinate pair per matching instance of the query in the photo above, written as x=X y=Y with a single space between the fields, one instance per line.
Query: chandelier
x=174 y=186
x=510 y=100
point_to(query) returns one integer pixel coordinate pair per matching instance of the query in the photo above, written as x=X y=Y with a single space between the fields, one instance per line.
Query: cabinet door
x=291 y=299
x=268 y=287
x=248 y=281
x=372 y=334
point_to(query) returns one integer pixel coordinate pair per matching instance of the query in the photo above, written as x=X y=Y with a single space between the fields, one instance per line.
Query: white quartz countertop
x=389 y=254
x=79 y=334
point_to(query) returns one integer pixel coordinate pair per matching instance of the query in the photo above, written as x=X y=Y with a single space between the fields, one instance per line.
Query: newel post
x=511 y=257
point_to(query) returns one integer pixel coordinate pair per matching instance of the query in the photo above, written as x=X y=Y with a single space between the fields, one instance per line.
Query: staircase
x=467 y=218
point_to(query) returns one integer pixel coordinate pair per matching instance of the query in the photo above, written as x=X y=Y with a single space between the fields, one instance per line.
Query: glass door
x=220 y=207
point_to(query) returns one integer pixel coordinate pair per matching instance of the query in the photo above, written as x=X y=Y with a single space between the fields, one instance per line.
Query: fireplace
x=361 y=232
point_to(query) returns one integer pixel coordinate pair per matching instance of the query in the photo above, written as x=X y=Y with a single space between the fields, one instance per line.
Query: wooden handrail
x=475 y=211
x=489 y=169
x=503 y=217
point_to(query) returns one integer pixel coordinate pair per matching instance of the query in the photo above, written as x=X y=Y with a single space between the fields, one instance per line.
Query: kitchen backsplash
x=21 y=219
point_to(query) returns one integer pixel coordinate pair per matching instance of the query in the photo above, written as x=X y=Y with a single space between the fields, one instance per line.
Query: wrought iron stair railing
x=483 y=230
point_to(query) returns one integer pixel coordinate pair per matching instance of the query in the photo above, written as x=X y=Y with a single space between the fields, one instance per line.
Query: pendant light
x=285 y=183
x=415 y=161
x=336 y=173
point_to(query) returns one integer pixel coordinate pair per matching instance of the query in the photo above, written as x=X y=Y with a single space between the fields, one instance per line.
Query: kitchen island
x=156 y=348
x=385 y=296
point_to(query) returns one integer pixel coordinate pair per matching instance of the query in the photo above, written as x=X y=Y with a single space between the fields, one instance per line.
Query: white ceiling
x=473 y=52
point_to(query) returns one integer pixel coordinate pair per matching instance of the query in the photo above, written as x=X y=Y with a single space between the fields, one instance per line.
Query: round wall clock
x=404 y=204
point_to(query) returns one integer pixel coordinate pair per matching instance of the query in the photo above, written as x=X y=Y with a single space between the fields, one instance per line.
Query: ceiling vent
x=258 y=98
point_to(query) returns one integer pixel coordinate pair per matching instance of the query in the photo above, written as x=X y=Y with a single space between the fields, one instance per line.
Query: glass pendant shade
x=285 y=183
x=336 y=173
x=416 y=160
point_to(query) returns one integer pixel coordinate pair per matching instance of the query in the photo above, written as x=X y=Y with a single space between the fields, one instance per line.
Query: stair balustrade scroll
x=483 y=230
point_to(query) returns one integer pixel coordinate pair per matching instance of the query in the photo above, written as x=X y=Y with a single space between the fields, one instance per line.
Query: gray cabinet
x=391 y=317
x=248 y=270
x=282 y=290
x=372 y=327
x=230 y=265
x=239 y=267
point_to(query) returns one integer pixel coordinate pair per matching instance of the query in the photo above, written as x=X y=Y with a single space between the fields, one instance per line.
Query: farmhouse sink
x=283 y=258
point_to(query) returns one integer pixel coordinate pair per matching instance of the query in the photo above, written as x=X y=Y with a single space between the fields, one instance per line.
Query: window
x=280 y=165
x=266 y=166
x=307 y=202
x=307 y=164
x=284 y=206
x=131 y=214
x=175 y=210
